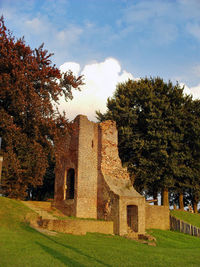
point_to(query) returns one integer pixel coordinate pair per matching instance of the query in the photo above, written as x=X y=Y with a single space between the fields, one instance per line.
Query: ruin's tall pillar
x=86 y=205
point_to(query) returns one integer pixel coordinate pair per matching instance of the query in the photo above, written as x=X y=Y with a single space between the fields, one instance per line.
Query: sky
x=111 y=41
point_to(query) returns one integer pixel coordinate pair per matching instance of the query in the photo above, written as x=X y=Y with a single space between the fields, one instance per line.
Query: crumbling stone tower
x=91 y=182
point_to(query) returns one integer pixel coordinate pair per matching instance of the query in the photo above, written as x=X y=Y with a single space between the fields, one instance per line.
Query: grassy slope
x=191 y=218
x=21 y=245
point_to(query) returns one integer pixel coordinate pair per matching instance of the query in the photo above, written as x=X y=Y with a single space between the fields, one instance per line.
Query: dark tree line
x=29 y=124
x=159 y=138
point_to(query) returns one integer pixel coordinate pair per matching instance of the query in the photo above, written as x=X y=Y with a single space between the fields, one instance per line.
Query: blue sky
x=111 y=40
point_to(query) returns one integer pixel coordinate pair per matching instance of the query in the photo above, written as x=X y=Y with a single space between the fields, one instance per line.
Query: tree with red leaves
x=29 y=124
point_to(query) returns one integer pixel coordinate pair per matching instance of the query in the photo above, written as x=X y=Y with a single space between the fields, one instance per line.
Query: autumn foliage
x=29 y=123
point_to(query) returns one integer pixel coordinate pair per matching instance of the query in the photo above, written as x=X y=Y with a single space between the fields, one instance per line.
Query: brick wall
x=157 y=217
x=115 y=182
x=110 y=161
x=100 y=180
x=78 y=227
x=81 y=155
x=140 y=204
x=87 y=169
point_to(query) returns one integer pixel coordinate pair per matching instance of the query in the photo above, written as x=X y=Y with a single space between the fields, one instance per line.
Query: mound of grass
x=20 y=245
x=192 y=218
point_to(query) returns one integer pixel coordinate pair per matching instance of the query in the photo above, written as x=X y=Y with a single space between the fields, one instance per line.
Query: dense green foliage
x=29 y=124
x=159 y=135
x=24 y=246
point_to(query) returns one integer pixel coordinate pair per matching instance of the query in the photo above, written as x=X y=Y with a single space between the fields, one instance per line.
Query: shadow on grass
x=75 y=250
x=59 y=256
x=26 y=226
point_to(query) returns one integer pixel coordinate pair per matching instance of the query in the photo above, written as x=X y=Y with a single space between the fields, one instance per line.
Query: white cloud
x=193 y=91
x=146 y=11
x=100 y=80
x=165 y=21
x=36 y=26
x=68 y=35
x=155 y=17
x=41 y=27
x=74 y=67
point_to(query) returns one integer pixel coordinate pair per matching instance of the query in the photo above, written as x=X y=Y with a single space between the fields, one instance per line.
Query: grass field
x=193 y=219
x=20 y=245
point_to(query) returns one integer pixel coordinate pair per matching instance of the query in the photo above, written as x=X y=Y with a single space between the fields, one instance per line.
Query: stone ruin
x=91 y=182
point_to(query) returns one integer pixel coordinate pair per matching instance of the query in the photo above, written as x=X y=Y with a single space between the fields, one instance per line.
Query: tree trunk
x=165 y=197
x=195 y=202
x=155 y=196
x=195 y=207
x=181 y=203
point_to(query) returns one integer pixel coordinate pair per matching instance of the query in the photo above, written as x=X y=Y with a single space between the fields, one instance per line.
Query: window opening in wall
x=132 y=217
x=70 y=184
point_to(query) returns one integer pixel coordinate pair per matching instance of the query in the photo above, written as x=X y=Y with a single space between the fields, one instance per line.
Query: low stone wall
x=157 y=217
x=77 y=227
x=183 y=227
x=67 y=207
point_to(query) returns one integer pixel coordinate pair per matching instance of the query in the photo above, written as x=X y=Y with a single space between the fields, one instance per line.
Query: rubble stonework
x=91 y=182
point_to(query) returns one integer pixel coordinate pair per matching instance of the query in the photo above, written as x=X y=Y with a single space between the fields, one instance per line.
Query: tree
x=150 y=119
x=192 y=143
x=29 y=124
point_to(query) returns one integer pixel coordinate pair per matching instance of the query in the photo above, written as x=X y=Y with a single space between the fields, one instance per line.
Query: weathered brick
x=102 y=187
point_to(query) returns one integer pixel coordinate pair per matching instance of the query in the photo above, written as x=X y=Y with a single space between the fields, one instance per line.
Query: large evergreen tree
x=192 y=144
x=29 y=123
x=150 y=117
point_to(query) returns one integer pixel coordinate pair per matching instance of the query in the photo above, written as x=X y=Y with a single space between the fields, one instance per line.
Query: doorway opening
x=70 y=184
x=132 y=217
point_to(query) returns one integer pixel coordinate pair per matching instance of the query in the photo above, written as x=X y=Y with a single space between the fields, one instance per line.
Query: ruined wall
x=77 y=227
x=87 y=169
x=108 y=201
x=81 y=155
x=114 y=183
x=110 y=162
x=157 y=217
x=67 y=157
x=108 y=204
x=103 y=188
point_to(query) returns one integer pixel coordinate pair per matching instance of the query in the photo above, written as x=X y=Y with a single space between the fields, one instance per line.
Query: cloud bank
x=193 y=91
x=100 y=80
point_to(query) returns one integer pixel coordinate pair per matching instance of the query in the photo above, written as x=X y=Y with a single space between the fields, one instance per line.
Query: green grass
x=20 y=245
x=192 y=218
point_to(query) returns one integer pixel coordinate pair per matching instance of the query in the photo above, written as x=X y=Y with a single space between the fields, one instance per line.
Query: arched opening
x=132 y=217
x=70 y=184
